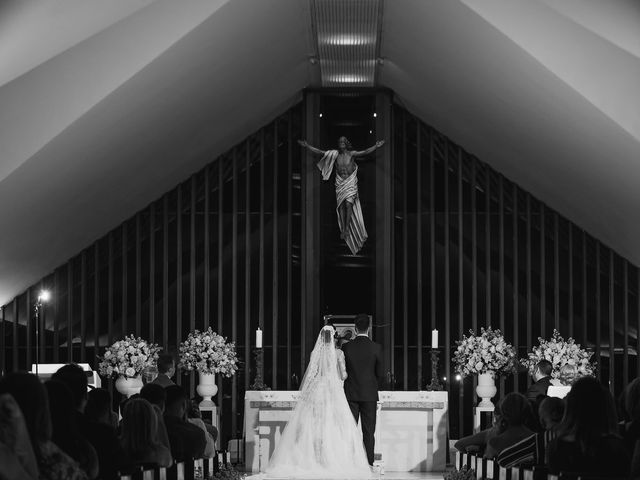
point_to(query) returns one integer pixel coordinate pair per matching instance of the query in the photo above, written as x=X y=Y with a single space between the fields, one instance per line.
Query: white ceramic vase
x=486 y=389
x=207 y=388
x=129 y=386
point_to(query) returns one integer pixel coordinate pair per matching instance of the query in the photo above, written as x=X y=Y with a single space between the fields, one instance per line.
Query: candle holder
x=435 y=384
x=258 y=382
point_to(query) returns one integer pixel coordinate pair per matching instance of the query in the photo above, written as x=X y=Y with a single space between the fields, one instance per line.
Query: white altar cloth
x=411 y=430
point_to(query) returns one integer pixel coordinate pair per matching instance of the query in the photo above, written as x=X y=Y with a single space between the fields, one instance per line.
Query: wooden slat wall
x=520 y=267
x=209 y=259
x=216 y=244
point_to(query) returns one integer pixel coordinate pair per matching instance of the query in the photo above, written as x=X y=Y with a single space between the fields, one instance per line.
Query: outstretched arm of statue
x=311 y=149
x=369 y=150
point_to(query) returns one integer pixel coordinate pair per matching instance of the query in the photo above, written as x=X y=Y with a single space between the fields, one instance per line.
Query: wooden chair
x=504 y=473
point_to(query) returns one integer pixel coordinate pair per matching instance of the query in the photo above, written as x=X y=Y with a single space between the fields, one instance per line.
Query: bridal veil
x=321 y=440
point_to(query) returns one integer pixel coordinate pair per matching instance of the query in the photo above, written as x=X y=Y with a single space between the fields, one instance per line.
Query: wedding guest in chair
x=629 y=427
x=101 y=430
x=195 y=417
x=531 y=450
x=66 y=431
x=31 y=397
x=477 y=443
x=587 y=440
x=16 y=454
x=157 y=396
x=166 y=369
x=139 y=442
x=541 y=380
x=515 y=410
x=187 y=440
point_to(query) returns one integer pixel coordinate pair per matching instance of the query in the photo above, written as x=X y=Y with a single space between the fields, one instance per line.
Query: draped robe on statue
x=346 y=191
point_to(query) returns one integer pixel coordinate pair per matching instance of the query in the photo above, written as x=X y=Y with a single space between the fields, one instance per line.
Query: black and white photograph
x=319 y=239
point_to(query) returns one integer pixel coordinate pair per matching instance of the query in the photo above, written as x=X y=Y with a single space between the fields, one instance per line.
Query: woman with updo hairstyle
x=515 y=412
x=587 y=438
x=139 y=437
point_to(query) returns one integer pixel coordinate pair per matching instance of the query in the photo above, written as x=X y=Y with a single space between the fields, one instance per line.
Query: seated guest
x=568 y=374
x=550 y=412
x=187 y=440
x=65 y=430
x=138 y=440
x=477 y=443
x=587 y=438
x=98 y=408
x=541 y=380
x=75 y=378
x=156 y=396
x=531 y=450
x=16 y=455
x=31 y=397
x=213 y=431
x=166 y=369
x=101 y=432
x=515 y=410
x=194 y=417
x=630 y=427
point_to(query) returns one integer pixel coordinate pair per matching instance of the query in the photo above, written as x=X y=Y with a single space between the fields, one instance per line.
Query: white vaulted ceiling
x=105 y=105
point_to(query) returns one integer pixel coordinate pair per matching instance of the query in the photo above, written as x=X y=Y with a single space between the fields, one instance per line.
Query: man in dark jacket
x=363 y=360
x=166 y=370
x=541 y=379
x=187 y=440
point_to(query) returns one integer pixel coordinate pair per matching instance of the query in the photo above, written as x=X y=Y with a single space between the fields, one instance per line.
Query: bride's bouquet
x=484 y=353
x=560 y=352
x=207 y=352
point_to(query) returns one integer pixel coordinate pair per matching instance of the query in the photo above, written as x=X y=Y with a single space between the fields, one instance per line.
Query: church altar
x=411 y=430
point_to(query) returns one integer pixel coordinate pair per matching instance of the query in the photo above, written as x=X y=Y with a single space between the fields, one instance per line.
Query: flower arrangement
x=207 y=352
x=128 y=357
x=484 y=353
x=227 y=472
x=560 y=352
x=465 y=473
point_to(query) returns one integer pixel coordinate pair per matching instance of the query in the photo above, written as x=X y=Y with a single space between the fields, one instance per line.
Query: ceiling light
x=349 y=40
x=348 y=79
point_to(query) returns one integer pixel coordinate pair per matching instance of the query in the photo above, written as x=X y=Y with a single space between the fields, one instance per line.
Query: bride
x=321 y=440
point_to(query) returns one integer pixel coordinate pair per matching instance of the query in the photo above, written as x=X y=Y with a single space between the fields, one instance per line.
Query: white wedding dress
x=321 y=440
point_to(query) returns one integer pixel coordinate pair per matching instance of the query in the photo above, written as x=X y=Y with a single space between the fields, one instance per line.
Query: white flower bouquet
x=128 y=357
x=560 y=352
x=484 y=353
x=208 y=352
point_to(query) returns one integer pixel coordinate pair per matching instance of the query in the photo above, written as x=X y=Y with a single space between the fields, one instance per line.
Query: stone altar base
x=411 y=430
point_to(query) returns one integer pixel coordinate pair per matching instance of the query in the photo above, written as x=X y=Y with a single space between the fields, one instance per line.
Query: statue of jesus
x=350 y=220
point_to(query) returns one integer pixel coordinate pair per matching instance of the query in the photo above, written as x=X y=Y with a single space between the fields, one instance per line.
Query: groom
x=363 y=360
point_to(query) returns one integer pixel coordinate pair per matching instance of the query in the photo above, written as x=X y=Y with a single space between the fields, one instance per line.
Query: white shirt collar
x=362 y=335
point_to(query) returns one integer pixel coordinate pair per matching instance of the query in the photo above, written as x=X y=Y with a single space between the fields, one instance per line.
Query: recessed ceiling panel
x=348 y=38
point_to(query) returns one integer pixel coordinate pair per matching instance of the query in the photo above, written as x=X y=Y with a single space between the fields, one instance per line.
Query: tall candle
x=258 y=338
x=434 y=338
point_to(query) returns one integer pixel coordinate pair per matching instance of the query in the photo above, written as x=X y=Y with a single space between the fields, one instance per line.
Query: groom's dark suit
x=363 y=360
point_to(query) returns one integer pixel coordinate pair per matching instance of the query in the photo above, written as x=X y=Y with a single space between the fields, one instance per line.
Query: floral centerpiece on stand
x=209 y=354
x=560 y=353
x=125 y=360
x=485 y=355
